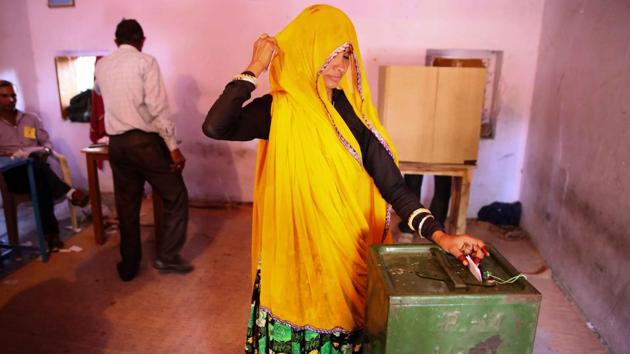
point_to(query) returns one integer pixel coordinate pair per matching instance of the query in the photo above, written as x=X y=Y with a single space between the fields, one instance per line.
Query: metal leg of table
x=43 y=245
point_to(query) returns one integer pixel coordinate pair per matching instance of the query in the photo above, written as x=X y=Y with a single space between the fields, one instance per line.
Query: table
x=93 y=154
x=460 y=188
x=7 y=163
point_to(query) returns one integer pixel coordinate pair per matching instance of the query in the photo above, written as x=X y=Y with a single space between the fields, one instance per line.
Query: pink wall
x=575 y=187
x=201 y=45
x=17 y=62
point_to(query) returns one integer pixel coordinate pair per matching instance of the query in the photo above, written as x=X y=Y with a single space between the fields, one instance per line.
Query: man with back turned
x=142 y=147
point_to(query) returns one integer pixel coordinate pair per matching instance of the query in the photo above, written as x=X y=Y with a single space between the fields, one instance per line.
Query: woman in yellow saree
x=325 y=176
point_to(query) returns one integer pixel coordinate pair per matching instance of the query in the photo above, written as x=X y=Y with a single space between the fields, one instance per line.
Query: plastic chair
x=67 y=177
x=10 y=201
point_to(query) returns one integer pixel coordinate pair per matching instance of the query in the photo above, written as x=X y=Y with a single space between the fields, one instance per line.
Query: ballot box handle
x=441 y=258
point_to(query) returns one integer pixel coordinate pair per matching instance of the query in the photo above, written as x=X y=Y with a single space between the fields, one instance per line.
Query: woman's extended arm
x=388 y=179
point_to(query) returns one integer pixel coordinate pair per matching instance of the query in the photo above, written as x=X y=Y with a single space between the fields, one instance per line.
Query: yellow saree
x=316 y=210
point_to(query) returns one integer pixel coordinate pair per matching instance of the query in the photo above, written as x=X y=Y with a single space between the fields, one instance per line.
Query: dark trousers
x=49 y=188
x=441 y=195
x=136 y=157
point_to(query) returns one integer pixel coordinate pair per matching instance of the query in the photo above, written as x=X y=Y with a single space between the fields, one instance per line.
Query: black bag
x=501 y=214
x=80 y=109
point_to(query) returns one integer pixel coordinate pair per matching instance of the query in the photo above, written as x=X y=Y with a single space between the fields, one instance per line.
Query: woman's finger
x=466 y=248
x=462 y=259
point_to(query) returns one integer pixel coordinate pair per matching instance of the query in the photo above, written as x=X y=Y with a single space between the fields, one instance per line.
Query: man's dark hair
x=129 y=31
x=5 y=83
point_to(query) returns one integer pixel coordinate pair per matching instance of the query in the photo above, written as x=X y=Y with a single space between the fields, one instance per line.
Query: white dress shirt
x=133 y=94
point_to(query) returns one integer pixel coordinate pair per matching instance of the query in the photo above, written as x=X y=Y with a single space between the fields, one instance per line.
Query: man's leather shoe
x=54 y=243
x=126 y=271
x=174 y=267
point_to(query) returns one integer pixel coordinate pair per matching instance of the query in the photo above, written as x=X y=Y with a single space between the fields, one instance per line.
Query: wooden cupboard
x=433 y=114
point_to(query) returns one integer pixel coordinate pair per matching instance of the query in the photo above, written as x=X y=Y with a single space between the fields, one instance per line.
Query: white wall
x=201 y=44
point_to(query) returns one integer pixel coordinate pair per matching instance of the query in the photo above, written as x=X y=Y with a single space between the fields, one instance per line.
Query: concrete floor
x=76 y=304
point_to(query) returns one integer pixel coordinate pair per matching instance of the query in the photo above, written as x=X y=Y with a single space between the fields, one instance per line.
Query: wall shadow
x=210 y=174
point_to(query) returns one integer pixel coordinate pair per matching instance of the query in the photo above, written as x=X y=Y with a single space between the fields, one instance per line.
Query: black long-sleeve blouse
x=229 y=120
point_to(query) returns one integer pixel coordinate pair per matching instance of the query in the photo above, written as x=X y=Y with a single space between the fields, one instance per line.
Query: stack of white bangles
x=424 y=219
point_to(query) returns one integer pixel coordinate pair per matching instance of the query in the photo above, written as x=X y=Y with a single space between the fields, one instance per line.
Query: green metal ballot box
x=422 y=300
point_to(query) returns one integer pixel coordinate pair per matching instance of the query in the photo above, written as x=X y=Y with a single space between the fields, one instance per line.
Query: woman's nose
x=339 y=67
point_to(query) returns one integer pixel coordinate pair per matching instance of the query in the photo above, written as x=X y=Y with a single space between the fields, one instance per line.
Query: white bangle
x=245 y=77
x=422 y=223
x=414 y=214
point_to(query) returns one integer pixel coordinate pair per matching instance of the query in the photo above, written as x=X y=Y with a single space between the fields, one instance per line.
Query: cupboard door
x=407 y=97
x=459 y=102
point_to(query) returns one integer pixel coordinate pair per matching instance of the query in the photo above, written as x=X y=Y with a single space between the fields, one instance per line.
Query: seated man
x=22 y=135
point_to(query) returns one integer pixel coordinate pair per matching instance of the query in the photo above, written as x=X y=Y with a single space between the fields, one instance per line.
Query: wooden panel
x=433 y=114
x=406 y=106
x=458 y=114
x=67 y=82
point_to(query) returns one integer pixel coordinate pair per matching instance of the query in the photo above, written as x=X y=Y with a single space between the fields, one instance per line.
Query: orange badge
x=29 y=133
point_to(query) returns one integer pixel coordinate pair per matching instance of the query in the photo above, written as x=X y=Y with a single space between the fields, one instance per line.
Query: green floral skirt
x=266 y=334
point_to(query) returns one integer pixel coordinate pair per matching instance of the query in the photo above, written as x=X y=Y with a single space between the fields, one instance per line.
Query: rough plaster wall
x=577 y=164
x=16 y=62
x=200 y=48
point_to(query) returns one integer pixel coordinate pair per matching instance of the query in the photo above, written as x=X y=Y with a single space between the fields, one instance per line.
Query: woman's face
x=336 y=69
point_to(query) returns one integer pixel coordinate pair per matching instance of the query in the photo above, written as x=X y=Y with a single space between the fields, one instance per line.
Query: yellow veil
x=316 y=210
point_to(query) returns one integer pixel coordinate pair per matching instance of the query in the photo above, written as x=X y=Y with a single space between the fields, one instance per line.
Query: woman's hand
x=265 y=48
x=461 y=245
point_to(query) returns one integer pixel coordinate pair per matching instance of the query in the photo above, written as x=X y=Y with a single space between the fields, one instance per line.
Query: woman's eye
x=346 y=56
